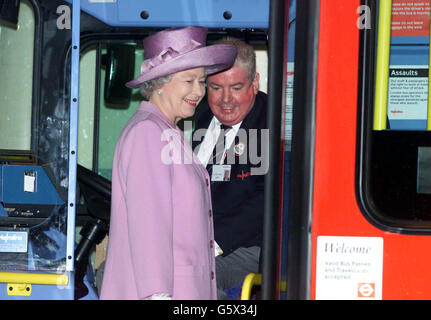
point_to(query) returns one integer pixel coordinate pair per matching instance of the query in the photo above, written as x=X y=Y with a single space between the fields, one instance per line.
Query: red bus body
x=406 y=268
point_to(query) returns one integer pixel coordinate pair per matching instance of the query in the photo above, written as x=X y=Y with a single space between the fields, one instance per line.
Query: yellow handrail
x=250 y=280
x=34 y=278
x=382 y=65
x=255 y=279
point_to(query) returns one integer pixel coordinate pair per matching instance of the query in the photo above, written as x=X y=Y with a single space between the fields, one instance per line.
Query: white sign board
x=408 y=93
x=349 y=268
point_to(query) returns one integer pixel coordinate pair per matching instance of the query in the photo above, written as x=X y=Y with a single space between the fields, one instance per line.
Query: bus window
x=395 y=142
x=86 y=106
x=101 y=122
x=16 y=78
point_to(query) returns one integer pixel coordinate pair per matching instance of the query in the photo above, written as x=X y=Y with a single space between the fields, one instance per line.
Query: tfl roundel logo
x=366 y=290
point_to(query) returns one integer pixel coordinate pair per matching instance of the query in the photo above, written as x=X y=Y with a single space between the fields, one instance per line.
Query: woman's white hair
x=148 y=87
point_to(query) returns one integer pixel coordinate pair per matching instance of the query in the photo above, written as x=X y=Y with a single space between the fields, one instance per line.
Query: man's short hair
x=245 y=57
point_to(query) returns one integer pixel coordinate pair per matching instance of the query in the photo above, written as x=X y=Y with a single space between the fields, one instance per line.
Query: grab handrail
x=382 y=65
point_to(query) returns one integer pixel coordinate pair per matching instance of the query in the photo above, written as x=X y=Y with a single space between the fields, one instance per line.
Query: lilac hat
x=175 y=50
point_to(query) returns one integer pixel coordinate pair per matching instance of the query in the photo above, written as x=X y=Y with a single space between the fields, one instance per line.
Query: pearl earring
x=159 y=92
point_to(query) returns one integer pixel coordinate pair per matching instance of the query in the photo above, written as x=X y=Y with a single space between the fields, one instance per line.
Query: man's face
x=231 y=95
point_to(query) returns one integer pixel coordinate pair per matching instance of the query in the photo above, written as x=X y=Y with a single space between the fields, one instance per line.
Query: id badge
x=221 y=172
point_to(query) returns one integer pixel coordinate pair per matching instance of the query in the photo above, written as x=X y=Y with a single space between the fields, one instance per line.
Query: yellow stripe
x=34 y=278
x=382 y=64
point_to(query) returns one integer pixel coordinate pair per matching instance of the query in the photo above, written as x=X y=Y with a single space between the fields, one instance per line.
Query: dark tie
x=219 y=147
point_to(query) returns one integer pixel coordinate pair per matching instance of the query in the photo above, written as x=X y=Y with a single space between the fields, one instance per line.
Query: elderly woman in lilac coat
x=161 y=243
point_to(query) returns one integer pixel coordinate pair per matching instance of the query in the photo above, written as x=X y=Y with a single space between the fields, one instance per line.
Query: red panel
x=406 y=271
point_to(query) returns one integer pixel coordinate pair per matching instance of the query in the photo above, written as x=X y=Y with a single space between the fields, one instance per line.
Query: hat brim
x=214 y=58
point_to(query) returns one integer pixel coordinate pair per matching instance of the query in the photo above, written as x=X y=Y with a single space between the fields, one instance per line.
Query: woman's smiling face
x=179 y=97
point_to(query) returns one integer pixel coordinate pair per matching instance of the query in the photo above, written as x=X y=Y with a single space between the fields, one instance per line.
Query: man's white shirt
x=206 y=148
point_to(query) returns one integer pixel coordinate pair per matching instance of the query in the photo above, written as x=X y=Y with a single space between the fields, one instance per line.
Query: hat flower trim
x=168 y=54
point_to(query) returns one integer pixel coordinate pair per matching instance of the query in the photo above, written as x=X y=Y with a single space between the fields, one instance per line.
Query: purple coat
x=161 y=234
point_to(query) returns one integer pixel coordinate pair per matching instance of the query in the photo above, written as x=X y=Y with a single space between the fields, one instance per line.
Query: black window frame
x=367 y=139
